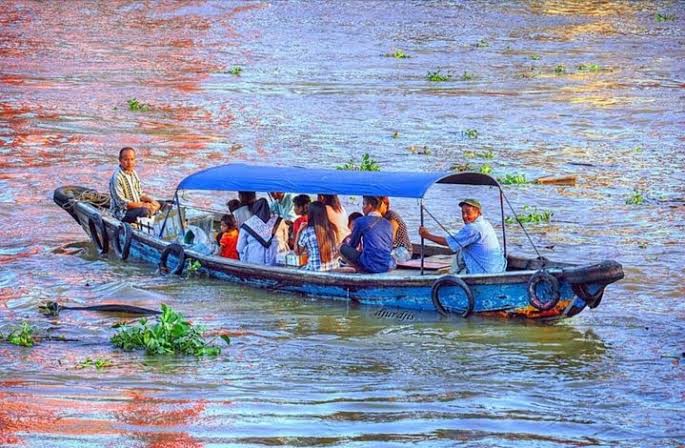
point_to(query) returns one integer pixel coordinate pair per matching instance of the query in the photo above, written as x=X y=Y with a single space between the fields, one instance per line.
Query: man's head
x=470 y=210
x=277 y=195
x=301 y=203
x=127 y=159
x=370 y=204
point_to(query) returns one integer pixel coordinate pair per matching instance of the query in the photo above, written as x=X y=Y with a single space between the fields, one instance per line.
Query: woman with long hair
x=319 y=239
x=336 y=214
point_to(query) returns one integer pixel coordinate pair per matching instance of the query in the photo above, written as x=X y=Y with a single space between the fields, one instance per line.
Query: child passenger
x=229 y=237
x=300 y=206
x=318 y=240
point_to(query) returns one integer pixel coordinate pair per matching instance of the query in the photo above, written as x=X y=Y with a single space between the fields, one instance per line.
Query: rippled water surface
x=316 y=89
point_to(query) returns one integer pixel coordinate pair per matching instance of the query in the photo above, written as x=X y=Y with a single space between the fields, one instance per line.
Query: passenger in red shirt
x=229 y=237
x=300 y=207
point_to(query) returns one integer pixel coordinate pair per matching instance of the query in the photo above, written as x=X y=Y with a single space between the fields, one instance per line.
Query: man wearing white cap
x=476 y=243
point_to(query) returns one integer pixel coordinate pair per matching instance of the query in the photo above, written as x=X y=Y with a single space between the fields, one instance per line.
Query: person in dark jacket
x=375 y=235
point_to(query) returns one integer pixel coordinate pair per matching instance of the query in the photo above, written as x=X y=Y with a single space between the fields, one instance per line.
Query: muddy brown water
x=317 y=89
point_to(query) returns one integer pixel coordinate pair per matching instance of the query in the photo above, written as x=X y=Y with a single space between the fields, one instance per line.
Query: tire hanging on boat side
x=180 y=254
x=553 y=285
x=592 y=300
x=451 y=280
x=98 y=233
x=124 y=231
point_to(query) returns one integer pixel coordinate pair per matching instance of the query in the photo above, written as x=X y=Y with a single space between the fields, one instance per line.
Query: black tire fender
x=451 y=280
x=553 y=284
x=98 y=233
x=592 y=300
x=177 y=250
x=124 y=231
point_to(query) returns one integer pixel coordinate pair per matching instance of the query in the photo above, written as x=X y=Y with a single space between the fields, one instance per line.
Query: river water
x=316 y=89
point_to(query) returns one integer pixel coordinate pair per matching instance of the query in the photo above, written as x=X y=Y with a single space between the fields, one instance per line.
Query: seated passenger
x=352 y=218
x=233 y=205
x=476 y=244
x=336 y=214
x=401 y=244
x=281 y=204
x=375 y=235
x=128 y=202
x=300 y=206
x=229 y=237
x=317 y=239
x=257 y=242
x=244 y=212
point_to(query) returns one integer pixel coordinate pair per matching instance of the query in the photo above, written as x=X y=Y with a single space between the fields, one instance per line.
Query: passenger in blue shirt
x=375 y=235
x=476 y=241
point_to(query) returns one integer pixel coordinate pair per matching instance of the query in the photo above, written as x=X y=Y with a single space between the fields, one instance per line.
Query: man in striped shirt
x=128 y=200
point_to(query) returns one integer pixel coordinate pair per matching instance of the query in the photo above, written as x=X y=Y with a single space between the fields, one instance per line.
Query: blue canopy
x=241 y=177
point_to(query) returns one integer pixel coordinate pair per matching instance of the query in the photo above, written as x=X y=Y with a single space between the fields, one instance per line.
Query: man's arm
x=441 y=240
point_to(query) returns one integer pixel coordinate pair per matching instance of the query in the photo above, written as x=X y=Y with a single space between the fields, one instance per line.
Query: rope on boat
x=99 y=200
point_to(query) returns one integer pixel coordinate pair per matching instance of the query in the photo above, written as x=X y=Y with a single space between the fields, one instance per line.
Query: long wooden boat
x=532 y=288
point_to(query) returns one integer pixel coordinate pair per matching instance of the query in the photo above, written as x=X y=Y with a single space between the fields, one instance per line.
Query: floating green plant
x=436 y=76
x=397 y=54
x=664 y=17
x=366 y=164
x=642 y=244
x=423 y=150
x=396 y=134
x=638 y=149
x=468 y=76
x=531 y=216
x=470 y=133
x=97 y=363
x=461 y=167
x=482 y=44
x=171 y=334
x=194 y=266
x=535 y=57
x=560 y=69
x=485 y=169
x=636 y=198
x=589 y=68
x=513 y=179
x=22 y=336
x=235 y=70
x=136 y=106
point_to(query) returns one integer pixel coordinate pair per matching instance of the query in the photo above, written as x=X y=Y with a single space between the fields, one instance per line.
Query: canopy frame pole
x=504 y=232
x=180 y=213
x=166 y=217
x=422 y=239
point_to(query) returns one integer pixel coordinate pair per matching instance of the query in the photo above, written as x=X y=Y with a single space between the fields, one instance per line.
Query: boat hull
x=570 y=289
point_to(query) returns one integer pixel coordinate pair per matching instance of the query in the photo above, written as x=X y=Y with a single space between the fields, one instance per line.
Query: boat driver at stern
x=476 y=245
x=128 y=200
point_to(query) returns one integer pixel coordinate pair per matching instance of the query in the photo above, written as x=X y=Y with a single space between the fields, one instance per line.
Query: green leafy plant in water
x=535 y=57
x=590 y=68
x=531 y=215
x=638 y=149
x=482 y=44
x=22 y=336
x=171 y=334
x=637 y=198
x=136 y=106
x=235 y=70
x=513 y=179
x=468 y=76
x=366 y=164
x=422 y=150
x=485 y=169
x=396 y=134
x=436 y=76
x=560 y=69
x=397 y=54
x=97 y=363
x=664 y=17
x=470 y=133
x=461 y=167
x=194 y=266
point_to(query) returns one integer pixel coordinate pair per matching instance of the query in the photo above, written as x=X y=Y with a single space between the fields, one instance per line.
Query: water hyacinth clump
x=531 y=215
x=436 y=76
x=171 y=334
x=636 y=198
x=136 y=106
x=366 y=164
x=513 y=179
x=22 y=336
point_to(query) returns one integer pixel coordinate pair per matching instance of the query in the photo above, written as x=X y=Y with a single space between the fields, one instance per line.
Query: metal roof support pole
x=422 y=240
x=166 y=217
x=504 y=233
x=180 y=212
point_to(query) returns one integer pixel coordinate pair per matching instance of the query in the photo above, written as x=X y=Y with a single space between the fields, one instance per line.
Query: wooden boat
x=533 y=288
